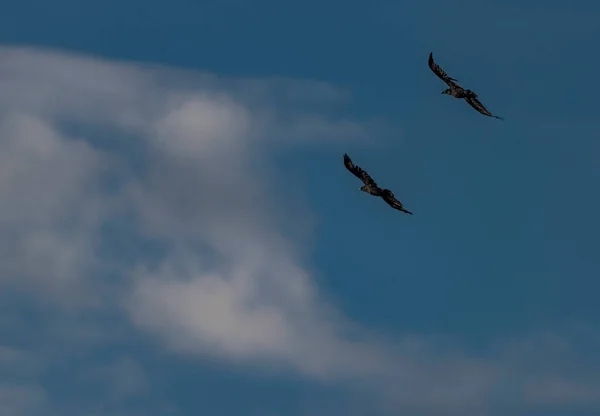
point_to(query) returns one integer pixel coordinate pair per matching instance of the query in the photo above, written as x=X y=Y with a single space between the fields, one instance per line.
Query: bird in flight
x=457 y=91
x=370 y=186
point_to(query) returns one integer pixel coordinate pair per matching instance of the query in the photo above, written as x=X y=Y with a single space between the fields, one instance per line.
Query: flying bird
x=370 y=186
x=457 y=91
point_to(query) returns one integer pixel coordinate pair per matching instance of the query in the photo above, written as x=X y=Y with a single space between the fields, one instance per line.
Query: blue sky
x=179 y=235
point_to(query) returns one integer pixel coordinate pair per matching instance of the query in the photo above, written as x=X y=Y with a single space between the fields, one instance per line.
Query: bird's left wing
x=358 y=172
x=437 y=70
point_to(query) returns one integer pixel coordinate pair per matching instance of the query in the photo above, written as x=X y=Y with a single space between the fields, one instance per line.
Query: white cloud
x=259 y=307
x=203 y=124
x=50 y=205
x=188 y=171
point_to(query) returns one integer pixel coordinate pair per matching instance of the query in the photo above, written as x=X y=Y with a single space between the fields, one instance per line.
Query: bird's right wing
x=392 y=201
x=476 y=104
x=441 y=73
x=358 y=172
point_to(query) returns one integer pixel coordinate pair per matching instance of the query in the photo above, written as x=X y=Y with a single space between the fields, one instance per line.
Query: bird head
x=363 y=188
x=446 y=91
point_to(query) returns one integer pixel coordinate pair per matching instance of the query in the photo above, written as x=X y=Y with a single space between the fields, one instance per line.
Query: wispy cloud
x=21 y=400
x=123 y=376
x=99 y=158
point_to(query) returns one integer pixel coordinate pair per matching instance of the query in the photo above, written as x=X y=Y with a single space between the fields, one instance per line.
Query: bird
x=370 y=186
x=457 y=91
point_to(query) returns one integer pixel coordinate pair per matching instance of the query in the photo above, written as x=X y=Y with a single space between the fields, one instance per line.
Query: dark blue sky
x=504 y=241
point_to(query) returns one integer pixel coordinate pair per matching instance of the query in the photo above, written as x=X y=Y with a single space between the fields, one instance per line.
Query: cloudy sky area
x=178 y=235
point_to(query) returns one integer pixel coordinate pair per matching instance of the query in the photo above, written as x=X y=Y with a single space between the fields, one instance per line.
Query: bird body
x=375 y=191
x=457 y=91
x=371 y=187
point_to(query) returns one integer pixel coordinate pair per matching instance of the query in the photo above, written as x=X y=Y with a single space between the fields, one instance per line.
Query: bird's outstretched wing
x=441 y=73
x=358 y=172
x=476 y=104
x=388 y=196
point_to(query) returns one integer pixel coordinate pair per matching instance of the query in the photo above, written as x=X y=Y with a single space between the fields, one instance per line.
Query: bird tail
x=405 y=210
x=498 y=117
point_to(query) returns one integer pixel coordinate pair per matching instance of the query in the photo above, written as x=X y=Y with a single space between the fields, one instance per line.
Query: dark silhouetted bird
x=370 y=186
x=457 y=91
